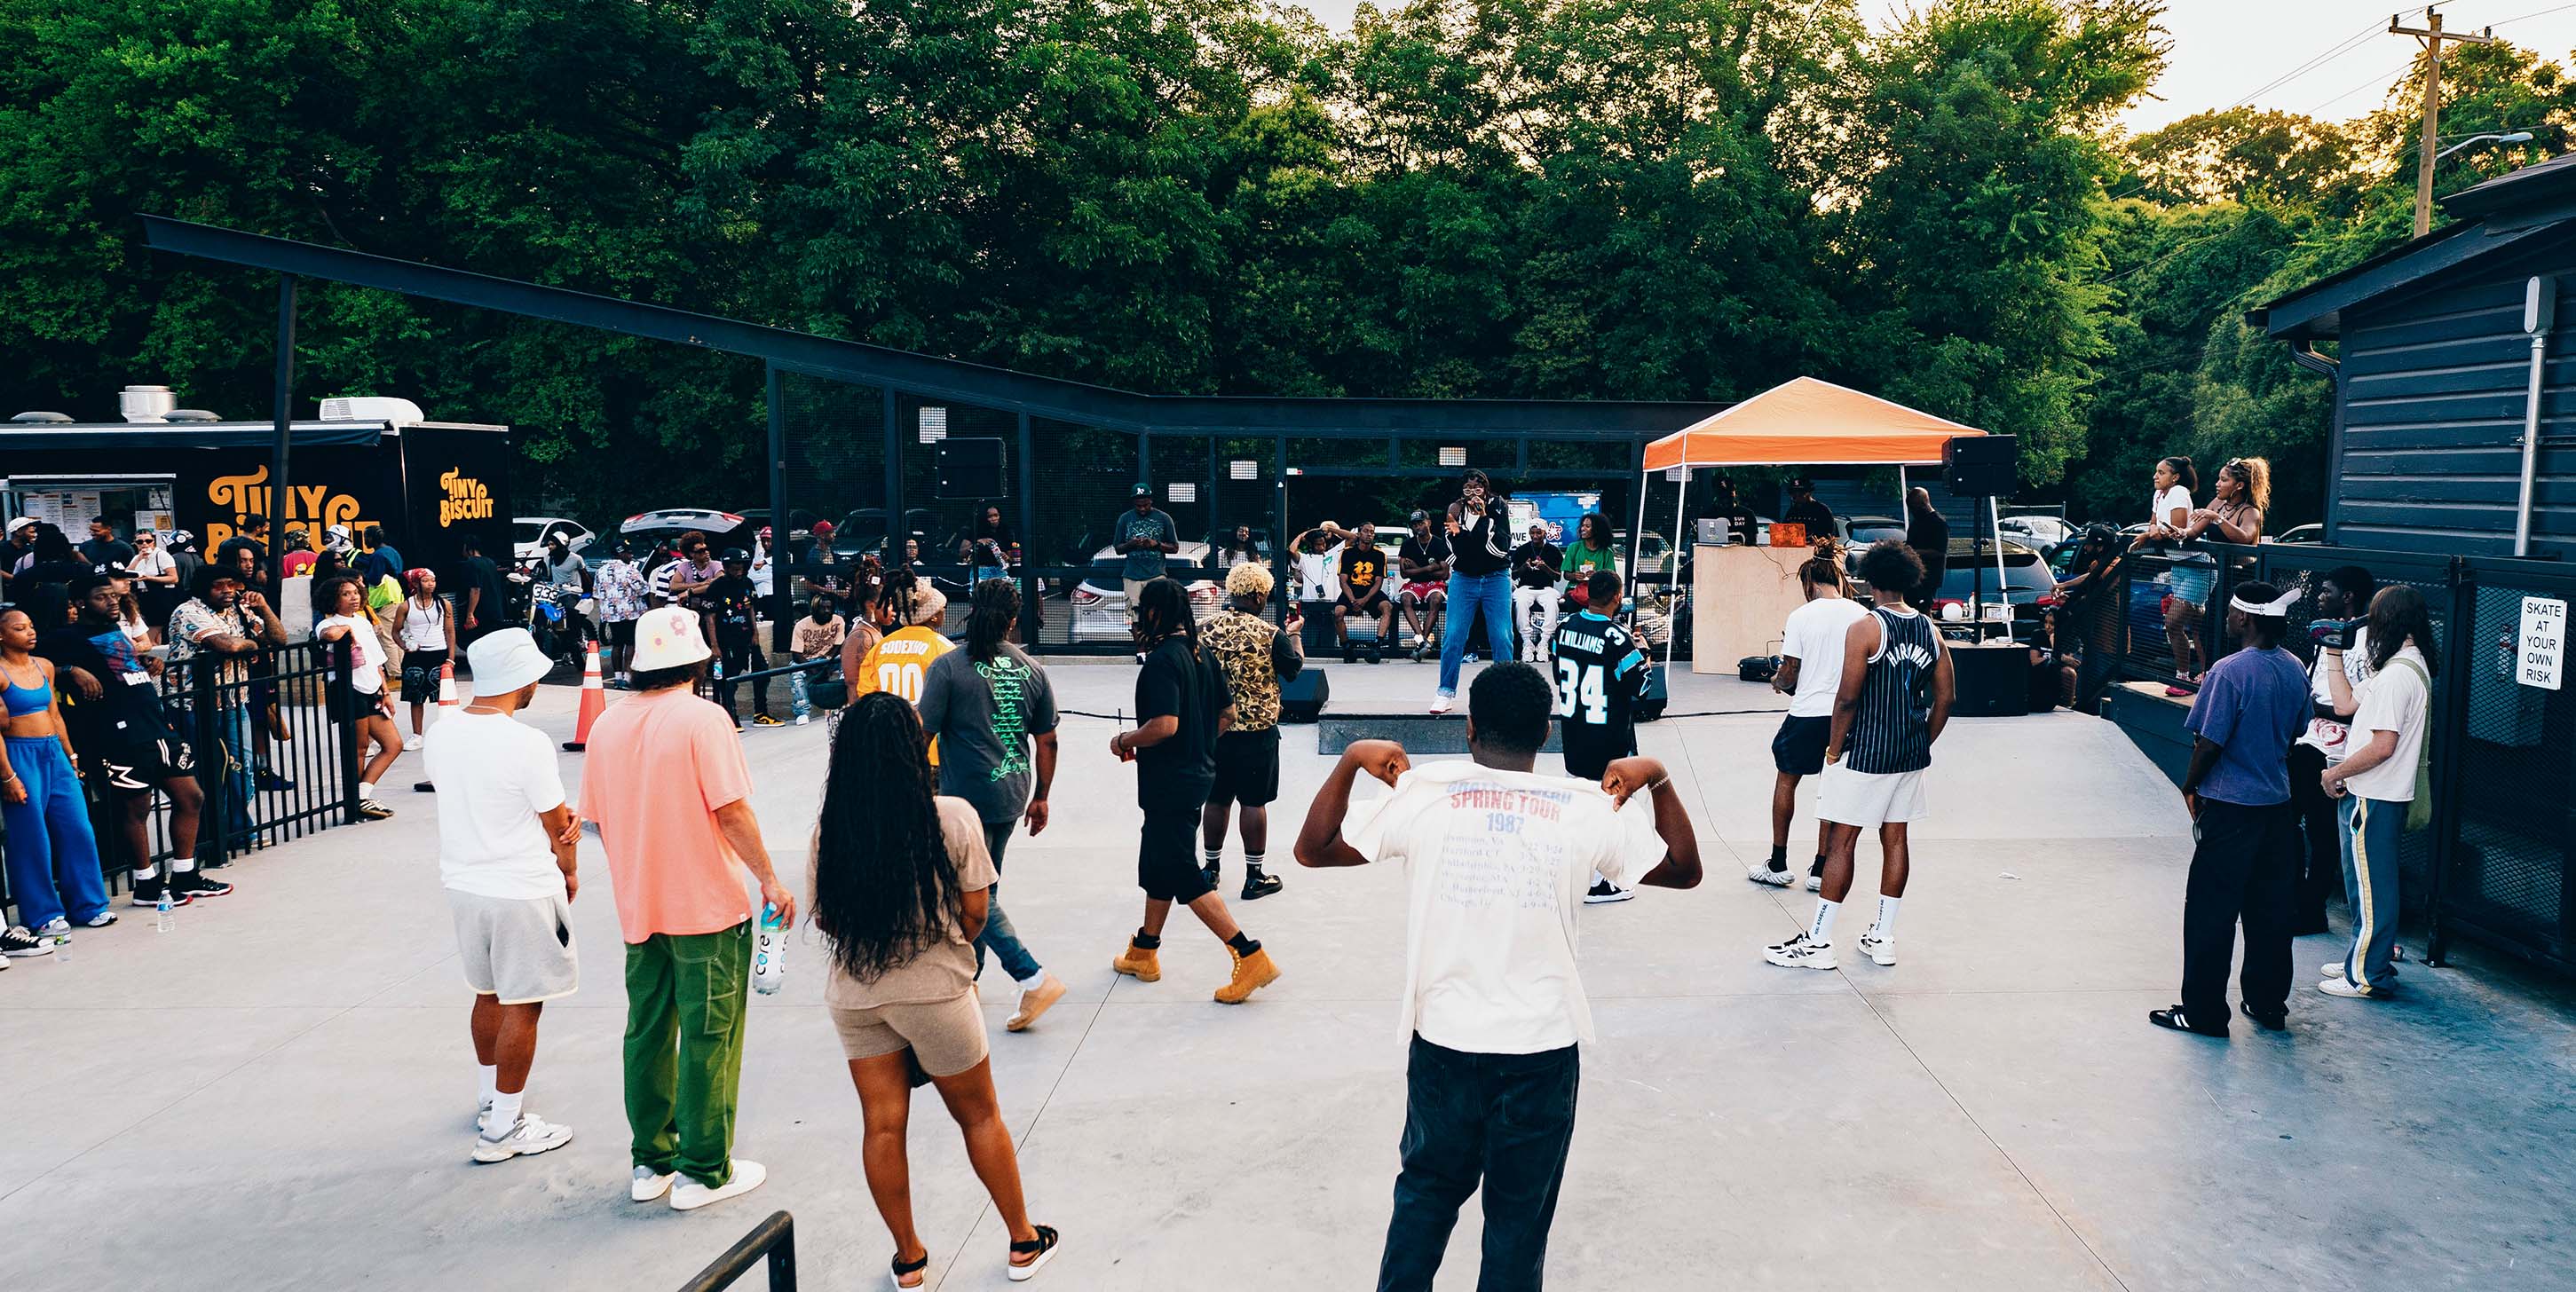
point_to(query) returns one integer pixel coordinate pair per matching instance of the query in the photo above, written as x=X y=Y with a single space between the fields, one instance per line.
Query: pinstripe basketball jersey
x=1893 y=730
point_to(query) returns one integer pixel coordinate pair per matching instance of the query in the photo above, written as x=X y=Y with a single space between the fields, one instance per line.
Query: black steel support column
x=1216 y=522
x=281 y=482
x=1032 y=588
x=782 y=613
x=896 y=529
x=1282 y=561
x=2451 y=704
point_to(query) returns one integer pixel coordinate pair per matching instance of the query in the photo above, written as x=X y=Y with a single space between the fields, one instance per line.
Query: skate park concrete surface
x=279 y=1093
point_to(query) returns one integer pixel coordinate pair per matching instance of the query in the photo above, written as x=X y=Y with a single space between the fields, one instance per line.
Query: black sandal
x=903 y=1267
x=1044 y=1245
x=2173 y=1018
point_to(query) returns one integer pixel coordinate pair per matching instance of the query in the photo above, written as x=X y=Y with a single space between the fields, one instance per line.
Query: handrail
x=774 y=1238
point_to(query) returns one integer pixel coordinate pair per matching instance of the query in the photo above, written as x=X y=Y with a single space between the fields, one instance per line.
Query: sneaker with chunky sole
x=194 y=884
x=1138 y=963
x=57 y=927
x=1800 y=953
x=2337 y=986
x=764 y=720
x=371 y=810
x=16 y=943
x=1878 y=949
x=689 y=1195
x=1816 y=877
x=411 y=744
x=1251 y=974
x=1603 y=891
x=147 y=893
x=1761 y=873
x=1038 y=1250
x=1440 y=704
x=1034 y=1002
x=648 y=1185
x=533 y=1135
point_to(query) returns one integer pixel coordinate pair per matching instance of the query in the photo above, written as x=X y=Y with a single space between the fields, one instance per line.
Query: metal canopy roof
x=931 y=376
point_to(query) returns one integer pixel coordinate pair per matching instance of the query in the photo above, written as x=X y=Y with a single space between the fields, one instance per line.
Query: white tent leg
x=1995 y=530
x=1904 y=496
x=1636 y=532
x=1673 y=571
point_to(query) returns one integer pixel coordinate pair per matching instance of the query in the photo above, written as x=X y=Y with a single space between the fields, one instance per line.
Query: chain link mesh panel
x=2517 y=765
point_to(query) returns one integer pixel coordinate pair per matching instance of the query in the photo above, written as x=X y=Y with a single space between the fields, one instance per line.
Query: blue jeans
x=998 y=936
x=796 y=693
x=1469 y=595
x=1499 y=1122
x=2370 y=833
x=233 y=728
x=53 y=855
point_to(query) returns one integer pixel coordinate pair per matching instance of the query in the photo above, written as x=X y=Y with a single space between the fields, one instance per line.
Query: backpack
x=2419 y=810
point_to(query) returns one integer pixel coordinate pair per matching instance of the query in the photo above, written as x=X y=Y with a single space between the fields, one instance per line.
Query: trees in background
x=1534 y=198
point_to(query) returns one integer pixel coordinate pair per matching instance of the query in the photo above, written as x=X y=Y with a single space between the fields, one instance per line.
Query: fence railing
x=2495 y=863
x=271 y=746
x=773 y=1240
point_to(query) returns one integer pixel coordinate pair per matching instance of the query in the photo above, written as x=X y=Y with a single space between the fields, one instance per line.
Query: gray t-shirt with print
x=986 y=717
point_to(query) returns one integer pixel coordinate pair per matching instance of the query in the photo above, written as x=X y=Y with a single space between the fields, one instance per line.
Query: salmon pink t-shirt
x=660 y=764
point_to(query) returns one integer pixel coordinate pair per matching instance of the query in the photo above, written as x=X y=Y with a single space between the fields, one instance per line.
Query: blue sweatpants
x=2370 y=833
x=53 y=856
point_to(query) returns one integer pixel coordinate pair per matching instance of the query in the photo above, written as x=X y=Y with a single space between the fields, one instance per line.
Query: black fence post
x=214 y=761
x=2450 y=741
x=341 y=701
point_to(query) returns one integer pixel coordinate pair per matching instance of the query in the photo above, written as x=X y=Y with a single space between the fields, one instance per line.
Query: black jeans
x=740 y=657
x=2320 y=870
x=1500 y=1119
x=2241 y=871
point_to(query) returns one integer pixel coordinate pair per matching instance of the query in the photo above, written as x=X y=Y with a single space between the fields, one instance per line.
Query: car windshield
x=528 y=531
x=2023 y=570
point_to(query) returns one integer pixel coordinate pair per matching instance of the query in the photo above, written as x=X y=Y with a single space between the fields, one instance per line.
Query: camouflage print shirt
x=1243 y=644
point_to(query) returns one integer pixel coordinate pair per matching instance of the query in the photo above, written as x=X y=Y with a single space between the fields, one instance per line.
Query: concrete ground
x=278 y=1094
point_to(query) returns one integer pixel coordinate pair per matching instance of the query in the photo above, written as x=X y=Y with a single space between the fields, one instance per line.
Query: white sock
x=504 y=1114
x=1887 y=916
x=491 y=1079
x=1212 y=856
x=146 y=873
x=1033 y=981
x=183 y=866
x=1821 y=929
x=367 y=790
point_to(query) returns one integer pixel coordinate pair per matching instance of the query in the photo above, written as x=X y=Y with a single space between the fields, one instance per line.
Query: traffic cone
x=446 y=701
x=594 y=699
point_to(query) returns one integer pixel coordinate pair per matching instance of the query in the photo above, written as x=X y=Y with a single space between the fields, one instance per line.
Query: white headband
x=2273 y=609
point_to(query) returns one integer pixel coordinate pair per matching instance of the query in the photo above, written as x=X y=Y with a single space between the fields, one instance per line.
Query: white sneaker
x=1440 y=704
x=2336 y=986
x=482 y=1110
x=533 y=1135
x=650 y=1184
x=2331 y=969
x=1603 y=890
x=1815 y=882
x=58 y=927
x=689 y=1195
x=1799 y=953
x=411 y=744
x=1881 y=950
x=1760 y=872
x=803 y=718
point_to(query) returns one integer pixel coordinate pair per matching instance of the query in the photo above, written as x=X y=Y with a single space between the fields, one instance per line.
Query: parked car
x=865 y=531
x=1865 y=530
x=1100 y=600
x=800 y=524
x=2029 y=586
x=2037 y=530
x=723 y=528
x=2303 y=534
x=528 y=535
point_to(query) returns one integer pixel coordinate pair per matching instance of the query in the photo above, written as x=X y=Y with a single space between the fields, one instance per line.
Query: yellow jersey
x=897 y=664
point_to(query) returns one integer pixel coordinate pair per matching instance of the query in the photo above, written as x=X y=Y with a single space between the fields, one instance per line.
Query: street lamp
x=2513 y=137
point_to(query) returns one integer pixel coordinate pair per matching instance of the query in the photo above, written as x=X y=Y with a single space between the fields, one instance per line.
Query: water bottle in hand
x=768 y=956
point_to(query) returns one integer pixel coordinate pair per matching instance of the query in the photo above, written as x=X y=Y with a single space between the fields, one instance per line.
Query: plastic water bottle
x=162 y=919
x=769 y=953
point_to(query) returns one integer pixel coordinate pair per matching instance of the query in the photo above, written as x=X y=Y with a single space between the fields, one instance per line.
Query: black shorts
x=420 y=675
x=1589 y=750
x=338 y=690
x=136 y=758
x=1167 y=863
x=1374 y=603
x=1799 y=749
x=1247 y=768
x=619 y=632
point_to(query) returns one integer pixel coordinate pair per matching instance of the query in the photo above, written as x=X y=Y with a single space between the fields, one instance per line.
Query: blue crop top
x=23 y=700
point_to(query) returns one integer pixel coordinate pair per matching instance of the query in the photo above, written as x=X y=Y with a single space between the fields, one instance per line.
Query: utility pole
x=2432 y=35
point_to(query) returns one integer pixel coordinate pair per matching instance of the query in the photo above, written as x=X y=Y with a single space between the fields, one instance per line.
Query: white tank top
x=425 y=627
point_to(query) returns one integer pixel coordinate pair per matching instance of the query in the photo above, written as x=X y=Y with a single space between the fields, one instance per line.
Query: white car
x=528 y=534
x=1100 y=600
x=2037 y=530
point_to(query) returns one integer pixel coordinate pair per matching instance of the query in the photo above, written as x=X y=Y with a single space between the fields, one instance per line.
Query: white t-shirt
x=1497 y=863
x=760 y=568
x=367 y=669
x=2327 y=734
x=1814 y=638
x=2160 y=512
x=494 y=775
x=154 y=562
x=2395 y=700
x=1319 y=574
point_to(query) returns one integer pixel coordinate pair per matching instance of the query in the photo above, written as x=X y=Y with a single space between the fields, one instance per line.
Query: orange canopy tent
x=1806 y=422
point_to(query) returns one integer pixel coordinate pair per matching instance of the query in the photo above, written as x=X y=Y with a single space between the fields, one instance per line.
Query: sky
x=2229 y=51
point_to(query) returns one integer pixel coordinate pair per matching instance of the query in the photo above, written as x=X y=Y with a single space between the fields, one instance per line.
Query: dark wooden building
x=2448 y=349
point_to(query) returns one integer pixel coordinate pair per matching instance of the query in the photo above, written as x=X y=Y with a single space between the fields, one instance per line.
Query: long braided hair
x=1163 y=611
x=997 y=607
x=885 y=889
x=895 y=601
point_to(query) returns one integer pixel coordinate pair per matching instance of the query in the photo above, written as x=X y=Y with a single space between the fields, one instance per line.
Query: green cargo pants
x=684 y=1020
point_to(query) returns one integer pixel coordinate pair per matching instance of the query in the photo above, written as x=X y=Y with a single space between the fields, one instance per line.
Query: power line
x=2541 y=13
x=2381 y=80
x=2346 y=46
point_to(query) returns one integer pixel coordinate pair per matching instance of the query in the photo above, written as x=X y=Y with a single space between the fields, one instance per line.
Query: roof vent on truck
x=189 y=415
x=371 y=408
x=39 y=417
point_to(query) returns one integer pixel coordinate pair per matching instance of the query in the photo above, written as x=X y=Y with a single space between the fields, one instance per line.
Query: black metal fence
x=271 y=746
x=2495 y=864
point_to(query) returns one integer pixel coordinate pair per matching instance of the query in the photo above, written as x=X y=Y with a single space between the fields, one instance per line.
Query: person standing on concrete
x=1890 y=707
x=620 y=599
x=1600 y=671
x=54 y=874
x=991 y=710
x=2339 y=634
x=1256 y=658
x=1928 y=533
x=1145 y=536
x=1494 y=1011
x=667 y=784
x=1480 y=535
x=1811 y=675
x=427 y=634
x=2376 y=782
x=1182 y=706
x=505 y=855
x=2251 y=705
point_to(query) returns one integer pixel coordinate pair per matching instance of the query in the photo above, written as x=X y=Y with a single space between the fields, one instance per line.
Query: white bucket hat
x=506 y=660
x=668 y=637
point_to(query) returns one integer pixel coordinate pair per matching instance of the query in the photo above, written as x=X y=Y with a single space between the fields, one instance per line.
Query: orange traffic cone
x=446 y=701
x=594 y=699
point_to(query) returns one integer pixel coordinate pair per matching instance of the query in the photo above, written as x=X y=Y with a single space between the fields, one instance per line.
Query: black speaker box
x=1993 y=681
x=1301 y=698
x=1981 y=466
x=971 y=469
